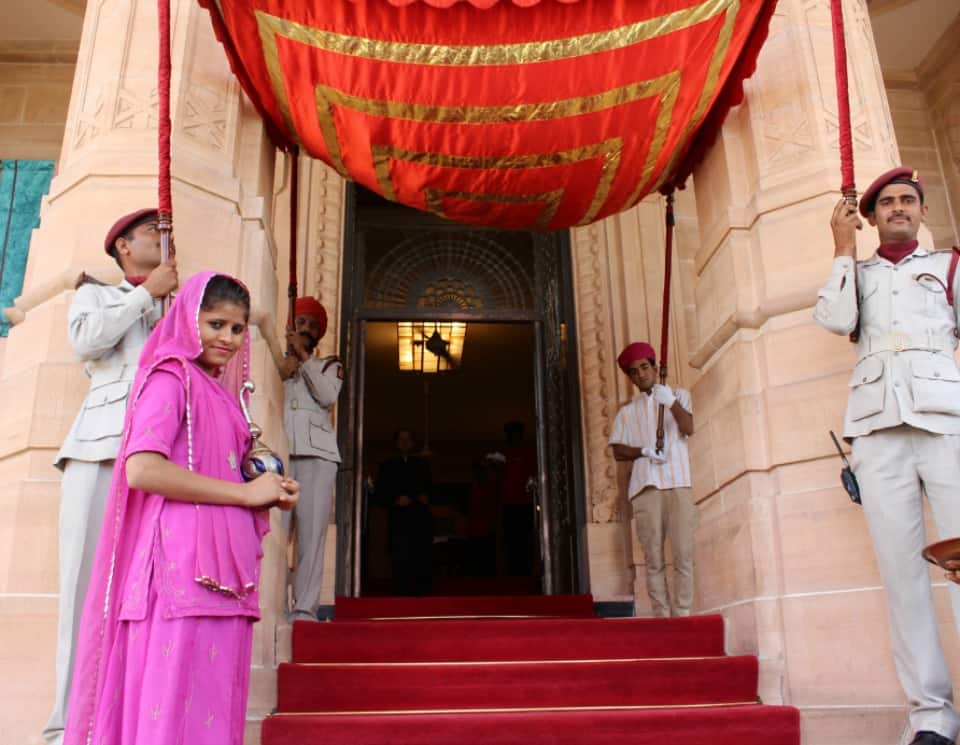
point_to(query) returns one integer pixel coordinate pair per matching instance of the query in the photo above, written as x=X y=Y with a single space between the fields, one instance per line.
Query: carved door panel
x=558 y=425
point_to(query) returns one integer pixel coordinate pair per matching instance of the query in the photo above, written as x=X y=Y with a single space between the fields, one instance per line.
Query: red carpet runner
x=512 y=670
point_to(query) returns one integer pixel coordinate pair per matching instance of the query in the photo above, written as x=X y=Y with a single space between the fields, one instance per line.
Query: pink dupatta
x=172 y=346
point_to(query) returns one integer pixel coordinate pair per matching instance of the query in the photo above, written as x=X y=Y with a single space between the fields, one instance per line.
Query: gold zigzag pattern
x=664 y=89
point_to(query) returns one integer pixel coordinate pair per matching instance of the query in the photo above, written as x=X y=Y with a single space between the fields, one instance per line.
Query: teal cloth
x=23 y=184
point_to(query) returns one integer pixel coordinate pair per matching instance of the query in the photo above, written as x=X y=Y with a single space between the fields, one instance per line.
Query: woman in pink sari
x=164 y=647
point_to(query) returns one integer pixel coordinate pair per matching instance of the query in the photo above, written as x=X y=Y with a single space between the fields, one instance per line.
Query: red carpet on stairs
x=469 y=605
x=499 y=639
x=538 y=668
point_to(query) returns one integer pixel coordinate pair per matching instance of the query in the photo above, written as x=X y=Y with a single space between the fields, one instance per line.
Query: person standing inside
x=165 y=645
x=311 y=388
x=903 y=418
x=517 y=500
x=403 y=485
x=107 y=328
x=659 y=491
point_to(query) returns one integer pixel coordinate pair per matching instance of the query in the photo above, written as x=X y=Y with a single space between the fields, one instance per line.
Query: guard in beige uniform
x=107 y=327
x=311 y=390
x=903 y=416
x=659 y=491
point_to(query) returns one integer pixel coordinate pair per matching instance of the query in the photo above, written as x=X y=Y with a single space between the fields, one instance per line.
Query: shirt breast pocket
x=866 y=389
x=935 y=385
x=868 y=290
x=103 y=412
x=934 y=294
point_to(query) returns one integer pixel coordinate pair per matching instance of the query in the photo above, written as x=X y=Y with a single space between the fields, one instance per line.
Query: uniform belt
x=905 y=342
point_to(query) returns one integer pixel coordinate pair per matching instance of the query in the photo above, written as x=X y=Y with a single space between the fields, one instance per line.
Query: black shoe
x=926 y=737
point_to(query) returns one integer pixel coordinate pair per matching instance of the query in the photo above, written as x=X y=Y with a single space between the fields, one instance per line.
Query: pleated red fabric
x=494 y=113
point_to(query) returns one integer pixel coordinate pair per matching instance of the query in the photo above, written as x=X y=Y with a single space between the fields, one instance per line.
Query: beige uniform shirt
x=307 y=419
x=107 y=327
x=906 y=372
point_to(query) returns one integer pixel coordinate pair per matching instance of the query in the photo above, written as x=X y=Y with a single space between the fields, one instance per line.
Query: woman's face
x=221 y=334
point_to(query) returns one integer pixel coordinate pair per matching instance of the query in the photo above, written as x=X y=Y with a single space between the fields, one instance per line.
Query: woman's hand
x=291 y=495
x=270 y=490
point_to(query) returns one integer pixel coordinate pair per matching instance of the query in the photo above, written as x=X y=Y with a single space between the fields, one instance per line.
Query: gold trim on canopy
x=665 y=88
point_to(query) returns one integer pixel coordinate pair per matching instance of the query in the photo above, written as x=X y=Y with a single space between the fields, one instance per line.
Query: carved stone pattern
x=786 y=133
x=598 y=391
x=784 y=126
x=91 y=124
x=133 y=111
x=327 y=246
x=860 y=37
x=952 y=120
x=205 y=116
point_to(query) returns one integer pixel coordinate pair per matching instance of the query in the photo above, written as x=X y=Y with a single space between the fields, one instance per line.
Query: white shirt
x=107 y=327
x=308 y=420
x=905 y=371
x=636 y=426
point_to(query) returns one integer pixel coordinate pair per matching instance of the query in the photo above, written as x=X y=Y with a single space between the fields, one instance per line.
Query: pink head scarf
x=173 y=346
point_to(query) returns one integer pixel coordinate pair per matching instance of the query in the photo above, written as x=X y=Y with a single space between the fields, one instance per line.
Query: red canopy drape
x=536 y=117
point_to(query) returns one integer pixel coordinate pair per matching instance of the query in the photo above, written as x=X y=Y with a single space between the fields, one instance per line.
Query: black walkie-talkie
x=847 y=477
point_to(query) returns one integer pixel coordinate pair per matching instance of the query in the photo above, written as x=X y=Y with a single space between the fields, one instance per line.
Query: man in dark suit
x=403 y=486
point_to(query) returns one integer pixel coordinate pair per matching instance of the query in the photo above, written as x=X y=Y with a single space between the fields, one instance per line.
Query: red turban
x=126 y=223
x=639 y=350
x=902 y=175
x=310 y=306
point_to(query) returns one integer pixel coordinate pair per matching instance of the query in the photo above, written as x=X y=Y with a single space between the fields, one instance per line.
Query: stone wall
x=224 y=184
x=34 y=97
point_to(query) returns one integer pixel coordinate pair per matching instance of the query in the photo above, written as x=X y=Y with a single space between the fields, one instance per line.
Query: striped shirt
x=636 y=426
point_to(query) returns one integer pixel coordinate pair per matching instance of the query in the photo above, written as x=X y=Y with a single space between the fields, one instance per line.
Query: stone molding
x=326 y=199
x=598 y=392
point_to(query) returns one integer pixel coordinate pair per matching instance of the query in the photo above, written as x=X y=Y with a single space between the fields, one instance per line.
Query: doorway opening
x=472 y=431
x=460 y=433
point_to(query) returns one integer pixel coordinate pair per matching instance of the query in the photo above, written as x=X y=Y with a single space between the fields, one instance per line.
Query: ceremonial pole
x=669 y=222
x=164 y=194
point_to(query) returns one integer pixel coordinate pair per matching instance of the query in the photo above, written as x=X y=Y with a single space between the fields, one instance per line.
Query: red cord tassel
x=164 y=193
x=845 y=133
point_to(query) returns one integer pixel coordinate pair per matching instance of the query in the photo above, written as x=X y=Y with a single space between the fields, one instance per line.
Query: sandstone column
x=782 y=553
x=223 y=187
x=618 y=278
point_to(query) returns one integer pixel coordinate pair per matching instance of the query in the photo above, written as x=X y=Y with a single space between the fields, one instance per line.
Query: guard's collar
x=897 y=252
x=878 y=258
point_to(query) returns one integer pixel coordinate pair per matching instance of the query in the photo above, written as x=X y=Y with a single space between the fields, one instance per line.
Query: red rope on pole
x=669 y=223
x=294 y=213
x=164 y=195
x=845 y=133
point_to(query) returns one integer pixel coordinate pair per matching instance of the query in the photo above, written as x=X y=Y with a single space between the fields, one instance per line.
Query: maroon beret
x=639 y=350
x=123 y=225
x=901 y=175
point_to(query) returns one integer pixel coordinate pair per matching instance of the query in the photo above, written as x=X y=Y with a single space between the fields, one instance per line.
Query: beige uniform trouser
x=318 y=480
x=83 y=496
x=894 y=468
x=659 y=513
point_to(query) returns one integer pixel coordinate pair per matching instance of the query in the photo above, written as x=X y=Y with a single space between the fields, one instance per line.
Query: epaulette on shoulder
x=86 y=279
x=328 y=361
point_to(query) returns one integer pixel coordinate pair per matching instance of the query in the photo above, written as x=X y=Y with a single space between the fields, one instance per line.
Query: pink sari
x=163 y=653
